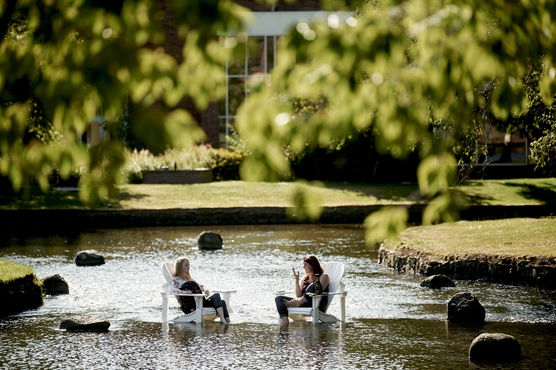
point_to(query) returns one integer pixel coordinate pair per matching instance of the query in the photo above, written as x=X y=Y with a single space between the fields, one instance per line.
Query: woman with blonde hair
x=314 y=281
x=184 y=283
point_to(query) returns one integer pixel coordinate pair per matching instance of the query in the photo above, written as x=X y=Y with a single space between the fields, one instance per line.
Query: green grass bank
x=241 y=203
x=515 y=251
x=19 y=288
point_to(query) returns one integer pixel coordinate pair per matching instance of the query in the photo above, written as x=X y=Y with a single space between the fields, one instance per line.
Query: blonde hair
x=178 y=269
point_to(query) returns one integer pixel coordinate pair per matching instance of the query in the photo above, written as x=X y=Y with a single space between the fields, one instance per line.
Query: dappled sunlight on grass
x=278 y=194
x=253 y=194
x=513 y=237
x=510 y=191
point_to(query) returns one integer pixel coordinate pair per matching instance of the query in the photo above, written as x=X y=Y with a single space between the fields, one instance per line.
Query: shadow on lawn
x=475 y=199
x=544 y=194
x=124 y=195
x=34 y=199
x=396 y=192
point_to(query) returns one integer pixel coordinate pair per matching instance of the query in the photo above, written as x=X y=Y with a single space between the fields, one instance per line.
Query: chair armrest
x=344 y=292
x=317 y=295
x=184 y=294
x=224 y=291
x=283 y=292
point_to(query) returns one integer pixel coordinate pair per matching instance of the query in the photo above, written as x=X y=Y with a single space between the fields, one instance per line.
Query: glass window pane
x=237 y=60
x=270 y=53
x=222 y=122
x=236 y=93
x=222 y=107
x=255 y=60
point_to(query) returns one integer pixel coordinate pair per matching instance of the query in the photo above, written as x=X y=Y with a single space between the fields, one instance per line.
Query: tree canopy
x=397 y=67
x=415 y=72
x=64 y=62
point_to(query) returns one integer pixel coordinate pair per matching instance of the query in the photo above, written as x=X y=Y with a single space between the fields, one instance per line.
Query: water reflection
x=392 y=321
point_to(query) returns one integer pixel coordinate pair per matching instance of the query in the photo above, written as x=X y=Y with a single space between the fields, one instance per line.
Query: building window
x=255 y=56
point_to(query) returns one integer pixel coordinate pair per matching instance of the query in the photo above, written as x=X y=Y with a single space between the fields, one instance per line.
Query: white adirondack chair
x=335 y=271
x=200 y=313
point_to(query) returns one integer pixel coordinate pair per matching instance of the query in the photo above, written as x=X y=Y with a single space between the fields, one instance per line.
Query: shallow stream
x=392 y=322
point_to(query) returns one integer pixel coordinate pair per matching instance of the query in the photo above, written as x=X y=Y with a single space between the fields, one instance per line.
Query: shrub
x=226 y=164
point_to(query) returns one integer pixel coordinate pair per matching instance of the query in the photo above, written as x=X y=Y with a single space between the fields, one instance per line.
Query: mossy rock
x=19 y=288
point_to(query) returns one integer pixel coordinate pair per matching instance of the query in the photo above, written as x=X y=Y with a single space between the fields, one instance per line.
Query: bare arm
x=298 y=286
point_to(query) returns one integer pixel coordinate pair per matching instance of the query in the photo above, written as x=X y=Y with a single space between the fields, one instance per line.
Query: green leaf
x=443 y=208
x=436 y=173
x=306 y=204
x=548 y=83
x=385 y=223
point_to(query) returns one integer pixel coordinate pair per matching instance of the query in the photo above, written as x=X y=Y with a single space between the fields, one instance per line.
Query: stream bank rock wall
x=524 y=270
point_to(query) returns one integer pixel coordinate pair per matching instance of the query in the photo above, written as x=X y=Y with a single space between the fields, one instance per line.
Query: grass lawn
x=510 y=191
x=508 y=237
x=253 y=194
x=11 y=270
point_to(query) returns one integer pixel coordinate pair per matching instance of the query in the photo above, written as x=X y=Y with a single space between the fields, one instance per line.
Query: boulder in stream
x=55 y=284
x=494 y=348
x=209 y=240
x=89 y=258
x=85 y=325
x=465 y=308
x=438 y=281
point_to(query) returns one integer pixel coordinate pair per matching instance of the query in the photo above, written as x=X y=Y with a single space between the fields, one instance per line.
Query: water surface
x=391 y=321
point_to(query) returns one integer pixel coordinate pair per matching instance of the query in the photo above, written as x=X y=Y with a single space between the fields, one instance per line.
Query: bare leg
x=220 y=312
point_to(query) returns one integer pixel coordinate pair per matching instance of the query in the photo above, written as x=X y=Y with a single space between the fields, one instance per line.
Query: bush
x=226 y=164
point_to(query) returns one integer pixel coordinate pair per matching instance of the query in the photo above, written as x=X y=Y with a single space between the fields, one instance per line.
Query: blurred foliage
x=306 y=204
x=400 y=68
x=65 y=62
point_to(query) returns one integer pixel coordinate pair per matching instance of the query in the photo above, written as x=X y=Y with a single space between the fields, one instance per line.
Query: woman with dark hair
x=315 y=279
x=183 y=282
